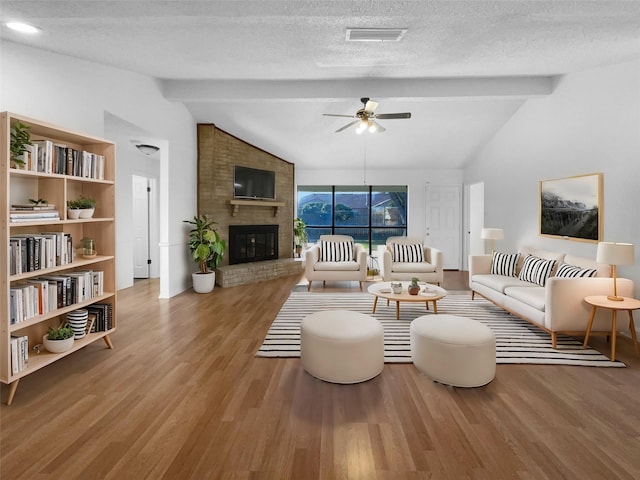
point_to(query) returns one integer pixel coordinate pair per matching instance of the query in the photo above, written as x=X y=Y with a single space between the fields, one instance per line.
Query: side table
x=601 y=301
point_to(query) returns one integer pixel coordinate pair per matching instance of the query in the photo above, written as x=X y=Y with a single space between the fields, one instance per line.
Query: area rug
x=516 y=340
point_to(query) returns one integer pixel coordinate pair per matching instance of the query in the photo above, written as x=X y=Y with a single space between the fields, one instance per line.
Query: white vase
x=86 y=212
x=73 y=213
x=57 y=346
x=203 y=282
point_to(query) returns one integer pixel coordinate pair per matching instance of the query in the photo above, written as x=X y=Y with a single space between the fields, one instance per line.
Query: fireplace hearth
x=252 y=243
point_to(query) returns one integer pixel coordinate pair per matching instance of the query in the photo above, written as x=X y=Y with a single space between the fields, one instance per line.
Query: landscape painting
x=571 y=207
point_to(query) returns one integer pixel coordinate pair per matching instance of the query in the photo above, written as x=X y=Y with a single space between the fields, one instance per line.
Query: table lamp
x=492 y=234
x=615 y=254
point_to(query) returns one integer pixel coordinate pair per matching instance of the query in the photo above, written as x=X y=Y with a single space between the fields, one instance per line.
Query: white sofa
x=559 y=306
x=316 y=268
x=429 y=270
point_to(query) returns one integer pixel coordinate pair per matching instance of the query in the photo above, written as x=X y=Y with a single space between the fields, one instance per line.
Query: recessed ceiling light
x=23 y=27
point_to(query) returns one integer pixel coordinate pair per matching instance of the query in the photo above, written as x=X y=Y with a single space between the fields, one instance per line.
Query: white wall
x=76 y=94
x=590 y=124
x=416 y=181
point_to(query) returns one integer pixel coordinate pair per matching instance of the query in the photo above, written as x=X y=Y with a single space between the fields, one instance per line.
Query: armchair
x=336 y=258
x=407 y=263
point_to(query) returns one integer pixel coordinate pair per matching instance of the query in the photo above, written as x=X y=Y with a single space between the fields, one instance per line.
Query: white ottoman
x=453 y=350
x=340 y=346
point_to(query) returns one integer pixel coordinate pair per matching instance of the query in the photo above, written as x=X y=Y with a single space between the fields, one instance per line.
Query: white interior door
x=141 y=255
x=444 y=223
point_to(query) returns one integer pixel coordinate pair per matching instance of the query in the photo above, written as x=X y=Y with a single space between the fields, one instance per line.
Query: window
x=370 y=214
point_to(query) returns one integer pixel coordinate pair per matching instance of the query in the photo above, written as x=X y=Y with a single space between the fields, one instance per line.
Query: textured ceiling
x=266 y=71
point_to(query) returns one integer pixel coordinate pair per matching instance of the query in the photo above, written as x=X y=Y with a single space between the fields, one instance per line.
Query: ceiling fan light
x=373 y=128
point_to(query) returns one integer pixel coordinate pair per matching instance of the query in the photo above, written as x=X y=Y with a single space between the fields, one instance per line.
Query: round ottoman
x=453 y=350
x=340 y=346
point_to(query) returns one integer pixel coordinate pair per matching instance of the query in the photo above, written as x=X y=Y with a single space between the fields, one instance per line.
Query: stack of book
x=33 y=213
x=102 y=316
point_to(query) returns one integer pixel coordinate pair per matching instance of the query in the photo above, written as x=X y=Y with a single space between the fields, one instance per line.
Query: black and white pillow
x=336 y=251
x=570 y=271
x=536 y=270
x=504 y=264
x=407 y=252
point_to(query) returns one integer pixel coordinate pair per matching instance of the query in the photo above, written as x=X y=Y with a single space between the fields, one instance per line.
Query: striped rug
x=516 y=340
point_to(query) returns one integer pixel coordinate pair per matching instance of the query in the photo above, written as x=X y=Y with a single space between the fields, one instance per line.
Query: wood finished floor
x=182 y=396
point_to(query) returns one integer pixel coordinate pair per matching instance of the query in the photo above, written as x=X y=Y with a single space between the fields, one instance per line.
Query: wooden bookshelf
x=19 y=185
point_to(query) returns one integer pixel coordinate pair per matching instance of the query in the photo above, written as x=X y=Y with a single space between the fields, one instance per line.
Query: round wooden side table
x=601 y=301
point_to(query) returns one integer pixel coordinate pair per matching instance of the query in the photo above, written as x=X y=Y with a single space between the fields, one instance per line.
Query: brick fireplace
x=218 y=153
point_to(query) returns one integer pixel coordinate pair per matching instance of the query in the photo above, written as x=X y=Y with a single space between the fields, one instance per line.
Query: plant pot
x=57 y=346
x=73 y=213
x=413 y=289
x=203 y=282
x=86 y=212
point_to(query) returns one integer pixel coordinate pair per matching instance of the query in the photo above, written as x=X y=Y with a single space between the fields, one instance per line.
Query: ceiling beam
x=414 y=89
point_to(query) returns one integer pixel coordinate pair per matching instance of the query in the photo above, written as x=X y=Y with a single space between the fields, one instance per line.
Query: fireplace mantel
x=235 y=205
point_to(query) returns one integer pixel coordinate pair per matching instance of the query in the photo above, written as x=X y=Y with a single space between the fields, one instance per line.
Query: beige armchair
x=339 y=260
x=428 y=269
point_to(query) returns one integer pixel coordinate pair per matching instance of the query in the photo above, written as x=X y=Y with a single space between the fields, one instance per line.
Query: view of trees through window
x=369 y=214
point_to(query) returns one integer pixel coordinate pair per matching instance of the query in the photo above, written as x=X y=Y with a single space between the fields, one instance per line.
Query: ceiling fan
x=366 y=117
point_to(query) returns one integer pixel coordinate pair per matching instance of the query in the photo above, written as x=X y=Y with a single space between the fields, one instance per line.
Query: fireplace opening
x=252 y=243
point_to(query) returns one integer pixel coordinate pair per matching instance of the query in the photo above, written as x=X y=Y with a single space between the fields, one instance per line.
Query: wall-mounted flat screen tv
x=254 y=183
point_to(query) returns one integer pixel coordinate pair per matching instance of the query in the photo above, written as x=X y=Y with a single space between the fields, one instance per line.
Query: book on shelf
x=103 y=317
x=32 y=206
x=29 y=252
x=19 y=353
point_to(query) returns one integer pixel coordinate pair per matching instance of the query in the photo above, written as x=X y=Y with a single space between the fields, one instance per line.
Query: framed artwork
x=571 y=208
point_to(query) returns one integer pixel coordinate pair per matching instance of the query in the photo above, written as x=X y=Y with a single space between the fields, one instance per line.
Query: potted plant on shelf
x=58 y=340
x=207 y=250
x=82 y=207
x=299 y=235
x=20 y=138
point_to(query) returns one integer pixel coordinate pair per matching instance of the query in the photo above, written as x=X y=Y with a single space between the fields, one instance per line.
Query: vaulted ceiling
x=267 y=71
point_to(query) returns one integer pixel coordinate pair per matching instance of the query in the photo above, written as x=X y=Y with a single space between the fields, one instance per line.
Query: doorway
x=143 y=194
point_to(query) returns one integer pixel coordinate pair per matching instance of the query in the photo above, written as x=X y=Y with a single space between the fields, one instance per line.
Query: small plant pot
x=73 y=213
x=203 y=282
x=57 y=346
x=413 y=289
x=86 y=212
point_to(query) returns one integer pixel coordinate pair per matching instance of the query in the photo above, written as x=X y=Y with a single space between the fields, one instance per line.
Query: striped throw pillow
x=407 y=252
x=504 y=264
x=336 y=251
x=536 y=270
x=569 y=271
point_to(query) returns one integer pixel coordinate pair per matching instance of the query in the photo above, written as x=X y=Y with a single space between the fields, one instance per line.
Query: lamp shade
x=492 y=233
x=615 y=253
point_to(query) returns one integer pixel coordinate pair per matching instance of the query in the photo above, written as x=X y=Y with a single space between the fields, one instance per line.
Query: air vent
x=375 y=34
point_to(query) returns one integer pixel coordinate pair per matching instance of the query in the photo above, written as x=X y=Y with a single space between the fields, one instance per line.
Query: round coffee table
x=428 y=293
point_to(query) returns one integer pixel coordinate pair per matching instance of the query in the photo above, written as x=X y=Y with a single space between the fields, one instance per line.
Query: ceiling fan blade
x=392 y=116
x=370 y=106
x=346 y=126
x=337 y=115
x=379 y=128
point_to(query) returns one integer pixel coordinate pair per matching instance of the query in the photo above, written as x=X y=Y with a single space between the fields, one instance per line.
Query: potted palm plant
x=299 y=235
x=207 y=250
